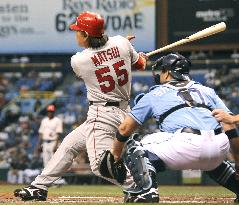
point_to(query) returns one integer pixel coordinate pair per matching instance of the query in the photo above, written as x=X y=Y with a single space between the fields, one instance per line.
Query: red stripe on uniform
x=94 y=131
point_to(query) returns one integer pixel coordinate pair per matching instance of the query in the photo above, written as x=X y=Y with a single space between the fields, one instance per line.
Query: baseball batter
x=191 y=137
x=51 y=128
x=105 y=66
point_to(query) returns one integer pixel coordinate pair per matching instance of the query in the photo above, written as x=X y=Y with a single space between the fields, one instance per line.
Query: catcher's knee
x=158 y=164
x=134 y=141
x=109 y=168
x=137 y=161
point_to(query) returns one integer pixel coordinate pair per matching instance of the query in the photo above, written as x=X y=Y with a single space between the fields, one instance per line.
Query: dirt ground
x=9 y=198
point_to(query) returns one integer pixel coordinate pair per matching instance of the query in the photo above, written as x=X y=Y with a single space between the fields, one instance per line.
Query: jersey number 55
x=121 y=73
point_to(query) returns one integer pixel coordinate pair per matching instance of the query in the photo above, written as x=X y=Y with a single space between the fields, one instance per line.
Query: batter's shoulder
x=78 y=55
x=78 y=59
x=119 y=38
x=75 y=57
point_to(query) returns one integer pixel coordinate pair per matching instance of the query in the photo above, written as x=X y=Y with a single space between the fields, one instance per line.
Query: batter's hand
x=222 y=116
x=143 y=55
x=130 y=37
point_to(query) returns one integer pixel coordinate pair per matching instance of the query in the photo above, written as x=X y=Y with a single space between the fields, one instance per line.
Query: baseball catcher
x=190 y=137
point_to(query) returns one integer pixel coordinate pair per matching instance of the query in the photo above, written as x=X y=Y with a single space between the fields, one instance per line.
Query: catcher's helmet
x=90 y=22
x=177 y=65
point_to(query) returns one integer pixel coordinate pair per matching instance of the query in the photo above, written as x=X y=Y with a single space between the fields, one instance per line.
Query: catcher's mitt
x=111 y=169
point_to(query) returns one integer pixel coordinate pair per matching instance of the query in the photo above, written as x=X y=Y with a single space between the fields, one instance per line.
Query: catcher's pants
x=95 y=135
x=180 y=151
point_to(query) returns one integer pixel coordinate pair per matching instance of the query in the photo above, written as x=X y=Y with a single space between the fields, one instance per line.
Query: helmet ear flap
x=156 y=68
x=158 y=64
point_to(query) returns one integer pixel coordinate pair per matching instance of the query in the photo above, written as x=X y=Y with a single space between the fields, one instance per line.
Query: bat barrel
x=196 y=36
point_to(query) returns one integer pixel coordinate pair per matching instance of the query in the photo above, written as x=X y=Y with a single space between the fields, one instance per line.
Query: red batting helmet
x=89 y=22
x=51 y=108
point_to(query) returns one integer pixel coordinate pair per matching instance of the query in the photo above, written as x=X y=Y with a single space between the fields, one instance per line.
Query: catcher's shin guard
x=225 y=175
x=140 y=167
x=144 y=196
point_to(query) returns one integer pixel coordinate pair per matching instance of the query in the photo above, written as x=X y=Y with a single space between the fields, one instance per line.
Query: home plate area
x=168 y=199
x=7 y=198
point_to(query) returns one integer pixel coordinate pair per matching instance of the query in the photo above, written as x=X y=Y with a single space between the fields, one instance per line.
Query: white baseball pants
x=181 y=151
x=95 y=135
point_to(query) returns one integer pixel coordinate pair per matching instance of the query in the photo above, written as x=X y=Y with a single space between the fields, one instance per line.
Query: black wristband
x=232 y=133
x=121 y=138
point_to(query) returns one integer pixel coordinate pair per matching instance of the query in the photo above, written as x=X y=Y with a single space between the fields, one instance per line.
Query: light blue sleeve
x=142 y=111
x=217 y=102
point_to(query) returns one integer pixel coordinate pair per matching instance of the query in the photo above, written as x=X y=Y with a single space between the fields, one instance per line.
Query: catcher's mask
x=177 y=65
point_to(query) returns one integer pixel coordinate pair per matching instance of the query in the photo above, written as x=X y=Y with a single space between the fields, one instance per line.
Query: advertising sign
x=32 y=26
x=195 y=15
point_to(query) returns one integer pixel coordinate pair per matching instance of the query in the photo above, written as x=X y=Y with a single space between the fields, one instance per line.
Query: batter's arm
x=138 y=59
x=130 y=37
x=126 y=128
x=141 y=62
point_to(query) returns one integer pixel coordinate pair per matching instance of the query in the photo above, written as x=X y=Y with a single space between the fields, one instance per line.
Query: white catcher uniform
x=181 y=151
x=49 y=129
x=107 y=75
x=191 y=137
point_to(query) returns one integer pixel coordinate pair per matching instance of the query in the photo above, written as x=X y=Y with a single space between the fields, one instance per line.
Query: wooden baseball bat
x=200 y=34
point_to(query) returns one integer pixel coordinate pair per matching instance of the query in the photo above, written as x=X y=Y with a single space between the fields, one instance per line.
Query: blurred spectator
x=201 y=55
x=70 y=118
x=4 y=82
x=139 y=87
x=3 y=138
x=2 y=100
x=33 y=170
x=18 y=161
x=24 y=59
x=197 y=56
x=193 y=55
x=12 y=112
x=38 y=104
x=49 y=134
x=235 y=54
x=28 y=138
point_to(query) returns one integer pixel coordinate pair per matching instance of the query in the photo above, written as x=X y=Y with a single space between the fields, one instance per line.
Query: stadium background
x=35 y=50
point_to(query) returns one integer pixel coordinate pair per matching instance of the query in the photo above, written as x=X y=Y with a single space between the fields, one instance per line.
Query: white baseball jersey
x=106 y=72
x=110 y=78
x=50 y=127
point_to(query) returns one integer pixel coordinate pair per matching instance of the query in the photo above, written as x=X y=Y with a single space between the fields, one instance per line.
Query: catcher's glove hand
x=111 y=169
